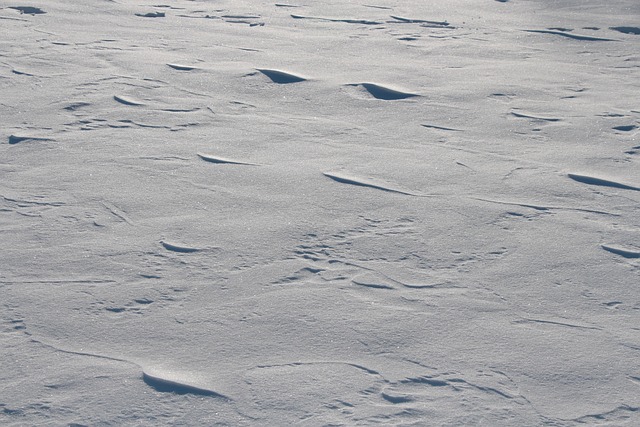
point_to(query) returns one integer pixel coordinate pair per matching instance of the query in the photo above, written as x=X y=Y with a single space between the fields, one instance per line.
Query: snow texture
x=320 y=213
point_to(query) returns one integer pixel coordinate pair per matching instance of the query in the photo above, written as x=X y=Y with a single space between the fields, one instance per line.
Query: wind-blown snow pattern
x=320 y=213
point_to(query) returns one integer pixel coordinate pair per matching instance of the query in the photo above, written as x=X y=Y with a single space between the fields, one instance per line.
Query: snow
x=320 y=213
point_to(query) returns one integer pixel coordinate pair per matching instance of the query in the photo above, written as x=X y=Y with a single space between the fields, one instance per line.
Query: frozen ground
x=320 y=213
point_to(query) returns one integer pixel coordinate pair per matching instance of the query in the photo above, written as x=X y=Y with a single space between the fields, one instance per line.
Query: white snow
x=320 y=213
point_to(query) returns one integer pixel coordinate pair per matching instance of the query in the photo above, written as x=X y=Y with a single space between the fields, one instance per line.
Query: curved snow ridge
x=437 y=286
x=343 y=178
x=543 y=208
x=551 y=322
x=627 y=30
x=181 y=67
x=165 y=384
x=521 y=115
x=339 y=20
x=624 y=252
x=402 y=20
x=281 y=77
x=28 y=10
x=441 y=128
x=225 y=161
x=369 y=281
x=16 y=139
x=177 y=247
x=592 y=180
x=572 y=36
x=128 y=101
x=151 y=15
x=625 y=128
x=383 y=92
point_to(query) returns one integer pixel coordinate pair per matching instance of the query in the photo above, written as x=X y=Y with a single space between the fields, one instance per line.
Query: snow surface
x=320 y=213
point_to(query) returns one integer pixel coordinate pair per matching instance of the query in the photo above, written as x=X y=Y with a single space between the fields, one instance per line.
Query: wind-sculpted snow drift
x=235 y=213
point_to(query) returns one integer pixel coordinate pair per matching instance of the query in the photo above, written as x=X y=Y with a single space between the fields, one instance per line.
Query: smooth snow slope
x=320 y=213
